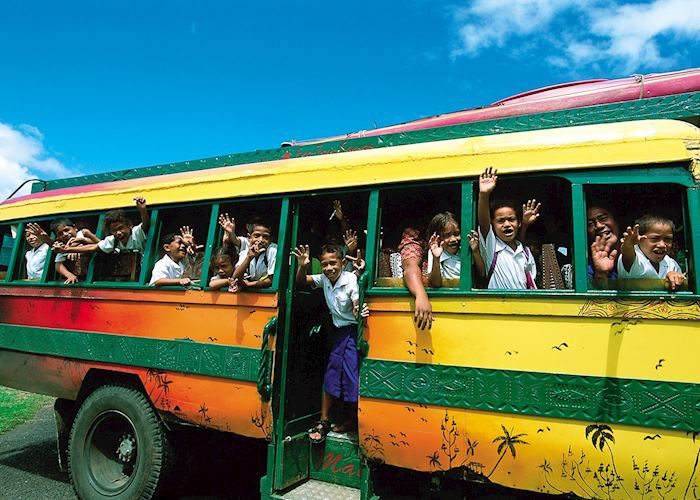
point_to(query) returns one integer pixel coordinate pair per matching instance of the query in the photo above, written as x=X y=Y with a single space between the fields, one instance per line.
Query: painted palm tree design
x=601 y=437
x=508 y=441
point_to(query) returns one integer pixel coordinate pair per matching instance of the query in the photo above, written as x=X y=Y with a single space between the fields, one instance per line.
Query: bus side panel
x=223 y=404
x=593 y=397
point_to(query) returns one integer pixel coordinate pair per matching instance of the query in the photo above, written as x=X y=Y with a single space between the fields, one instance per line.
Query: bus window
x=542 y=206
x=659 y=246
x=180 y=262
x=406 y=217
x=33 y=251
x=72 y=230
x=243 y=225
x=120 y=264
x=8 y=235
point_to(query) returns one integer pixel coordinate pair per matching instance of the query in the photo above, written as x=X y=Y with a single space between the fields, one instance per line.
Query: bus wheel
x=118 y=446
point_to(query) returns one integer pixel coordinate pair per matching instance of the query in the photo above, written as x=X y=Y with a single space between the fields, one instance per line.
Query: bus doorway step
x=314 y=489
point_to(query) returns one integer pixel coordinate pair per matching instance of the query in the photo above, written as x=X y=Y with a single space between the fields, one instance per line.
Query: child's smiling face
x=452 y=237
x=65 y=232
x=261 y=235
x=505 y=224
x=658 y=241
x=32 y=240
x=332 y=265
x=121 y=231
x=176 y=249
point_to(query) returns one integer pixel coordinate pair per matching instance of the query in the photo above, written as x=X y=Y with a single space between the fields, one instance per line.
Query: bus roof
x=589 y=146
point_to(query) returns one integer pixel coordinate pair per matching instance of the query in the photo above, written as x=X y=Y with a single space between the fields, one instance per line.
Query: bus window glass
x=180 y=246
x=246 y=241
x=654 y=255
x=533 y=250
x=404 y=240
x=71 y=267
x=8 y=235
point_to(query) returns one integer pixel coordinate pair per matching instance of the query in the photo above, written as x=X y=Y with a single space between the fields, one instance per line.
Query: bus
x=581 y=386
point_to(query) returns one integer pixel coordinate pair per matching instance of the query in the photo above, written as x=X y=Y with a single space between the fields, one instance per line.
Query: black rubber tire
x=118 y=446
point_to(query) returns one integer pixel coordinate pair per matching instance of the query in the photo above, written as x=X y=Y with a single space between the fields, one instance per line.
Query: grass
x=18 y=406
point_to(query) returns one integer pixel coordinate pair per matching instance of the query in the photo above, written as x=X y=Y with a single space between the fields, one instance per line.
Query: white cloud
x=621 y=35
x=23 y=156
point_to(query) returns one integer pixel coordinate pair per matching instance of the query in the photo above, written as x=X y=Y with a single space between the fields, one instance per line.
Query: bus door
x=314 y=221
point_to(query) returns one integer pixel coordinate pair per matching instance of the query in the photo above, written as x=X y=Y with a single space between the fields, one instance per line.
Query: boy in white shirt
x=644 y=252
x=168 y=271
x=36 y=255
x=256 y=253
x=510 y=264
x=340 y=288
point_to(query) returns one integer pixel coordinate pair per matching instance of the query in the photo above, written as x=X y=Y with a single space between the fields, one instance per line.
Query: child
x=222 y=262
x=123 y=235
x=168 y=271
x=510 y=264
x=443 y=258
x=340 y=382
x=644 y=252
x=36 y=256
x=256 y=261
x=67 y=235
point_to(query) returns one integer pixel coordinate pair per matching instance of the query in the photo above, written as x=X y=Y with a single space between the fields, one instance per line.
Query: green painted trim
x=693 y=196
x=337 y=461
x=212 y=237
x=99 y=232
x=15 y=258
x=467 y=223
x=374 y=214
x=677 y=174
x=668 y=107
x=646 y=403
x=281 y=241
x=580 y=233
x=230 y=362
x=48 y=267
x=151 y=248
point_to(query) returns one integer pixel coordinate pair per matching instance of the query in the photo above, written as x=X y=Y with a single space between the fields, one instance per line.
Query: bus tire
x=118 y=446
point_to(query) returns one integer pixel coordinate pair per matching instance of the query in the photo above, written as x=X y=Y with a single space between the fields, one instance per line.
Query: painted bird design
x=651 y=438
x=558 y=347
x=660 y=364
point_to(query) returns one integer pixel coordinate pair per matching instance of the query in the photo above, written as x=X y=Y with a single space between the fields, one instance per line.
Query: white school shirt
x=339 y=296
x=262 y=265
x=35 y=261
x=136 y=241
x=62 y=257
x=167 y=268
x=450 y=264
x=511 y=264
x=643 y=268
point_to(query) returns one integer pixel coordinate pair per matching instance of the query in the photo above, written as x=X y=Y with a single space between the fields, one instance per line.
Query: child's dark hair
x=61 y=222
x=224 y=251
x=646 y=221
x=439 y=222
x=496 y=204
x=115 y=216
x=336 y=249
x=169 y=238
x=258 y=221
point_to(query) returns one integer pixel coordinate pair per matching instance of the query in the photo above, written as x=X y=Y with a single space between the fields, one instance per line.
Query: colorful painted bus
x=576 y=387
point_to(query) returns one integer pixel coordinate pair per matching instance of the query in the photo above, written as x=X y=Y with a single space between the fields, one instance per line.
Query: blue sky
x=90 y=86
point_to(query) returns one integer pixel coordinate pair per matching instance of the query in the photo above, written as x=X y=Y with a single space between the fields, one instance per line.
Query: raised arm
x=487 y=183
x=143 y=213
x=436 y=249
x=340 y=215
x=228 y=225
x=531 y=212
x=61 y=247
x=62 y=270
x=630 y=238
x=303 y=255
x=40 y=234
x=476 y=254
